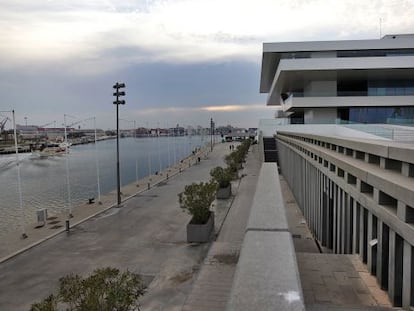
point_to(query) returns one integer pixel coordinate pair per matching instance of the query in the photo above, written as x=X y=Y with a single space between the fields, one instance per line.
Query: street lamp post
x=118 y=102
x=211 y=133
x=70 y=215
x=24 y=235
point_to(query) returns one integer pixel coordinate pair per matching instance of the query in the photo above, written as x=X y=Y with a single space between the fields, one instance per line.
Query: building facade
x=354 y=184
x=363 y=81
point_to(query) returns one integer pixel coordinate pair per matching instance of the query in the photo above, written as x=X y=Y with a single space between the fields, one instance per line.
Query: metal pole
x=118 y=176
x=97 y=163
x=136 y=157
x=168 y=145
x=149 y=155
x=159 y=149
x=67 y=169
x=118 y=102
x=175 y=146
x=211 y=134
x=19 y=186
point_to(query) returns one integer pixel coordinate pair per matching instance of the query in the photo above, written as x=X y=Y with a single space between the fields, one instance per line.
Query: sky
x=183 y=61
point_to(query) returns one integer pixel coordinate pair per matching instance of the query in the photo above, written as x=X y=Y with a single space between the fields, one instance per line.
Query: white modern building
x=353 y=182
x=363 y=81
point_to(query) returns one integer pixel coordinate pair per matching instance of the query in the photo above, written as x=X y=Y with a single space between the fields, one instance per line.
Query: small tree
x=222 y=176
x=106 y=289
x=196 y=200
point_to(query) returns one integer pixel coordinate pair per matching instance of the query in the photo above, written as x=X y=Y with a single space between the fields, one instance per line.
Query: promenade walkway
x=147 y=236
x=12 y=243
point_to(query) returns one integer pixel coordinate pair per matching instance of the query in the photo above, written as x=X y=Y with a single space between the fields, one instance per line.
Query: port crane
x=3 y=123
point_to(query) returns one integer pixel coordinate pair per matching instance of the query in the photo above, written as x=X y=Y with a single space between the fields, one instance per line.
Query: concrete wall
x=267 y=276
x=357 y=197
x=320 y=115
x=320 y=88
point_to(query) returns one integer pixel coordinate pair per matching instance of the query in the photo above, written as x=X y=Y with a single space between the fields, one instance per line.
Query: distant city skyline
x=182 y=61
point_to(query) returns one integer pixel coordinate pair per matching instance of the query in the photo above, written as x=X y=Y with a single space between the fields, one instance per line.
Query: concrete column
x=396 y=269
x=335 y=223
x=341 y=221
x=361 y=231
x=376 y=195
x=348 y=224
x=382 y=162
x=369 y=238
x=391 y=266
x=344 y=223
x=330 y=215
x=324 y=212
x=354 y=228
x=380 y=251
x=408 y=273
x=319 y=205
x=405 y=169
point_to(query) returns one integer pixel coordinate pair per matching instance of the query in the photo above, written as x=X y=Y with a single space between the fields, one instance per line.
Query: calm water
x=44 y=184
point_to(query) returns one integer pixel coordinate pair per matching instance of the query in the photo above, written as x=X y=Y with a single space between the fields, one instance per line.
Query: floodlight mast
x=118 y=102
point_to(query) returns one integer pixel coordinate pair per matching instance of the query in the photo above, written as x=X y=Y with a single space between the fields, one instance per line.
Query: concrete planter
x=200 y=233
x=224 y=193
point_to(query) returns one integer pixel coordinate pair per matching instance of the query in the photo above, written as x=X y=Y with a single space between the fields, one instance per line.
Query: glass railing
x=388 y=130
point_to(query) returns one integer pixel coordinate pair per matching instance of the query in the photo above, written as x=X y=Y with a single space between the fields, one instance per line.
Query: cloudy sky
x=183 y=61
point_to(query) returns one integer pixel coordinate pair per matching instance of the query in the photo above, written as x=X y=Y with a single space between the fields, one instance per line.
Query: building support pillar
x=408 y=276
x=369 y=246
x=355 y=228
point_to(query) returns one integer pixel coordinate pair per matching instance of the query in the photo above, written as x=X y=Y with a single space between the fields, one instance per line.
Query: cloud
x=231 y=108
x=181 y=31
x=182 y=60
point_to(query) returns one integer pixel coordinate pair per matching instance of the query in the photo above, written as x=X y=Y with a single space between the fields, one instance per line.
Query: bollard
x=67 y=226
x=180 y=169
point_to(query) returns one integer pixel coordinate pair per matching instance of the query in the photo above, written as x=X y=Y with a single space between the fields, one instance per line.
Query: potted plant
x=196 y=200
x=235 y=159
x=223 y=177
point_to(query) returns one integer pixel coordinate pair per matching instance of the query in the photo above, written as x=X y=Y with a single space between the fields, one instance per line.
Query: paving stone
x=368 y=279
x=341 y=278
x=329 y=281
x=321 y=293
x=366 y=299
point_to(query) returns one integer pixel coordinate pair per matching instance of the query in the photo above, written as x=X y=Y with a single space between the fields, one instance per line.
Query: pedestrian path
x=13 y=243
x=146 y=236
x=211 y=290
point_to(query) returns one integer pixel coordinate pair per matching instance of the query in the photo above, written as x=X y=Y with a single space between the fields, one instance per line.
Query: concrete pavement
x=12 y=243
x=147 y=236
x=212 y=287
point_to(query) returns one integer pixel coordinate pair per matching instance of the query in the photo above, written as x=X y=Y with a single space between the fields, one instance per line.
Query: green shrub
x=222 y=176
x=105 y=289
x=196 y=200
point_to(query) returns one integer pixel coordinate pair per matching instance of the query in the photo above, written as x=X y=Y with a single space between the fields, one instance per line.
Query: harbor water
x=44 y=180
